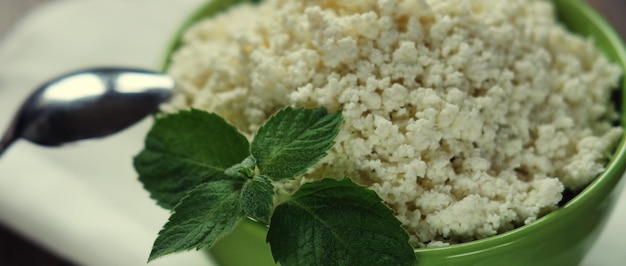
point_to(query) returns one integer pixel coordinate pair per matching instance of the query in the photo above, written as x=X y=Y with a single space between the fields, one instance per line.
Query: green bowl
x=562 y=237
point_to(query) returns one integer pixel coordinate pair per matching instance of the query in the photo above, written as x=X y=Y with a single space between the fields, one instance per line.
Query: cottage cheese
x=468 y=117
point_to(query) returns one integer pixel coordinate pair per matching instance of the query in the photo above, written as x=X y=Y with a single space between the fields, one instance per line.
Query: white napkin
x=84 y=201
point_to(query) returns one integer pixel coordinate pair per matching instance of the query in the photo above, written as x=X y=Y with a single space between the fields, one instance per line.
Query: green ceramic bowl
x=562 y=237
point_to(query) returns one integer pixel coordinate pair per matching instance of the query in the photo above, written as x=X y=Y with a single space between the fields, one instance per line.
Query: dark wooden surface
x=16 y=250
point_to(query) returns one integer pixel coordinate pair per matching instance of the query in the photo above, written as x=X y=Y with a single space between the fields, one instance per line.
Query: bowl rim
x=209 y=9
x=605 y=181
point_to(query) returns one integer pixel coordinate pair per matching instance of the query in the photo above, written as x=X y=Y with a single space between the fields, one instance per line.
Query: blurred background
x=12 y=10
x=14 y=249
x=18 y=250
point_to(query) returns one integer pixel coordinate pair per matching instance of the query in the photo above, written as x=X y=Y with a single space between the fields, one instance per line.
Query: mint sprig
x=202 y=168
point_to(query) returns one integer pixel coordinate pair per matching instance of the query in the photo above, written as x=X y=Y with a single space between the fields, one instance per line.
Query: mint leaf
x=294 y=139
x=206 y=213
x=332 y=222
x=185 y=149
x=257 y=198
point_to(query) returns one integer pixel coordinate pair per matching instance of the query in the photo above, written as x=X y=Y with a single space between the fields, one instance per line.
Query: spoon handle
x=9 y=137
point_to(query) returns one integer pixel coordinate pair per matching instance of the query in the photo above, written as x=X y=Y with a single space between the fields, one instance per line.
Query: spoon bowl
x=86 y=104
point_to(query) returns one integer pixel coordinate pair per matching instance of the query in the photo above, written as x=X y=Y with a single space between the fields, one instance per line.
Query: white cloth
x=84 y=201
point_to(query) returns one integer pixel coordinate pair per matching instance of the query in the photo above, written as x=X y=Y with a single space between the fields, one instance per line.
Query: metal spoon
x=87 y=104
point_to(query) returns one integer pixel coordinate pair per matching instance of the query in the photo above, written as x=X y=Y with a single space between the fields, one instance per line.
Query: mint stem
x=245 y=169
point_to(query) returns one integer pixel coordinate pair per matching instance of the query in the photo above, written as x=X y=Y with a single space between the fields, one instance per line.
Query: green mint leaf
x=294 y=139
x=257 y=198
x=205 y=214
x=185 y=149
x=332 y=222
